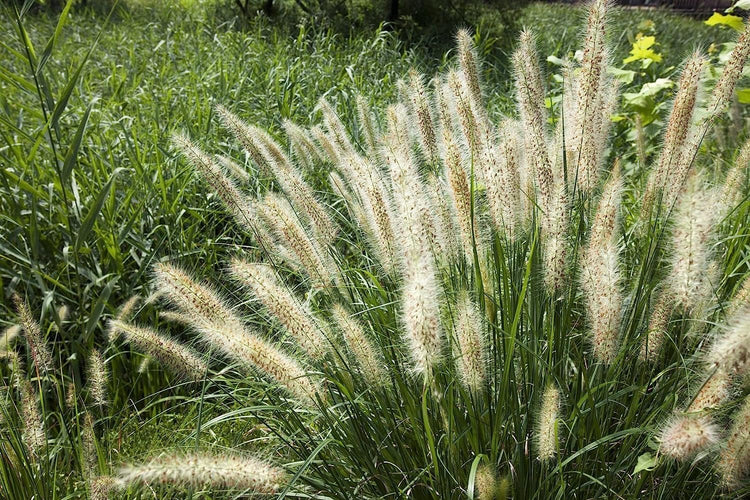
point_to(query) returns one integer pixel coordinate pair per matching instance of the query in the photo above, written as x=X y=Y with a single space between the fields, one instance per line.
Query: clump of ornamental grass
x=417 y=314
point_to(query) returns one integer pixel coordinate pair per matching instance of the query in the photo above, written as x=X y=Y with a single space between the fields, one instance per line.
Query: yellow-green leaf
x=743 y=96
x=642 y=50
x=734 y=22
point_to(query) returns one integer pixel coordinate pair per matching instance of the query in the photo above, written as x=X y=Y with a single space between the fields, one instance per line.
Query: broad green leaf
x=734 y=22
x=555 y=60
x=626 y=76
x=740 y=4
x=72 y=154
x=647 y=461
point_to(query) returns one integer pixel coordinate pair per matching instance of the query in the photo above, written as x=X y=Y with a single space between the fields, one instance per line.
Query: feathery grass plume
x=485 y=482
x=731 y=350
x=555 y=250
x=741 y=298
x=459 y=192
x=353 y=205
x=90 y=458
x=283 y=305
x=467 y=58
x=734 y=461
x=303 y=146
x=468 y=120
x=546 y=434
x=313 y=259
x=96 y=371
x=235 y=170
x=177 y=358
x=326 y=147
x=468 y=331
x=246 y=136
x=676 y=133
x=724 y=89
x=444 y=218
x=734 y=182
x=377 y=209
x=219 y=327
x=421 y=110
x=300 y=194
x=421 y=314
x=33 y=433
x=502 y=182
x=9 y=335
x=38 y=348
x=693 y=272
x=600 y=275
x=367 y=126
x=100 y=488
x=657 y=328
x=336 y=128
x=205 y=470
x=237 y=204
x=685 y=435
x=365 y=353
x=715 y=391
x=530 y=96
x=591 y=83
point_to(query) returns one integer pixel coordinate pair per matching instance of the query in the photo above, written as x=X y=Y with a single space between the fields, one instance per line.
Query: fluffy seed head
x=547 y=437
x=234 y=169
x=724 y=89
x=421 y=110
x=467 y=57
x=96 y=371
x=485 y=482
x=9 y=335
x=731 y=350
x=693 y=274
x=734 y=461
x=39 y=350
x=657 y=328
x=365 y=353
x=715 y=391
x=201 y=470
x=283 y=305
x=468 y=331
x=33 y=424
x=686 y=435
x=177 y=358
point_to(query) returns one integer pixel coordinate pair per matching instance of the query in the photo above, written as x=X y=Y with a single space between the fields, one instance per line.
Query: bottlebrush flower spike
x=734 y=461
x=177 y=358
x=313 y=258
x=468 y=331
x=206 y=470
x=600 y=274
x=715 y=391
x=9 y=336
x=530 y=96
x=421 y=112
x=234 y=169
x=38 y=348
x=365 y=353
x=731 y=349
x=686 y=435
x=33 y=434
x=283 y=305
x=97 y=378
x=467 y=58
x=724 y=89
x=237 y=204
x=547 y=435
x=368 y=126
x=694 y=273
x=667 y=173
x=590 y=95
x=657 y=328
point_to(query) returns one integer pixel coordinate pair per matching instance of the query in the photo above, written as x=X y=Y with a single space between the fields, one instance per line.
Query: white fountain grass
x=463 y=272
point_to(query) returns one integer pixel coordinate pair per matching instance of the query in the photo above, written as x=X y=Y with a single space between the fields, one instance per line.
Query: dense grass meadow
x=270 y=257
